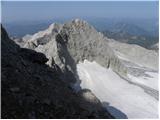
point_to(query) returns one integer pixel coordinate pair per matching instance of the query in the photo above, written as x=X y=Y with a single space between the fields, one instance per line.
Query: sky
x=30 y=10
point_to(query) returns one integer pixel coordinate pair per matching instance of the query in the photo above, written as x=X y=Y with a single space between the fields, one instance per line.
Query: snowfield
x=121 y=98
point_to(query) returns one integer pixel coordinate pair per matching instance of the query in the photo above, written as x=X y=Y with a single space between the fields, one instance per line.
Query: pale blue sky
x=19 y=11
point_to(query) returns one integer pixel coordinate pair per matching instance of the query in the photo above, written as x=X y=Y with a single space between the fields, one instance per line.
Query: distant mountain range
x=132 y=34
x=122 y=36
x=143 y=32
x=131 y=26
x=129 y=29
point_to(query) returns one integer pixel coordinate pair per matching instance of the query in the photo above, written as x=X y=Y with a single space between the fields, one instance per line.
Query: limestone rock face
x=73 y=42
x=136 y=54
x=32 y=89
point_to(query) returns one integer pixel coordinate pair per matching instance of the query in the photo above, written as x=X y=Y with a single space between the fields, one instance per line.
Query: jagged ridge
x=73 y=42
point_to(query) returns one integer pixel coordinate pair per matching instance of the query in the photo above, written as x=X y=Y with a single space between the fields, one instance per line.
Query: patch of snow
x=122 y=96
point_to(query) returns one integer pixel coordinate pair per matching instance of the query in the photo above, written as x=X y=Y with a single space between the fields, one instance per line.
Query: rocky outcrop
x=135 y=54
x=32 y=89
x=73 y=42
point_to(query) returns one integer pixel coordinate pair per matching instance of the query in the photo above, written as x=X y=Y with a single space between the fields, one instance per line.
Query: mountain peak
x=78 y=21
x=82 y=41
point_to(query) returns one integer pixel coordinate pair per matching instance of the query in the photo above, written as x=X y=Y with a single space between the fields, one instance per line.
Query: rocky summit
x=70 y=43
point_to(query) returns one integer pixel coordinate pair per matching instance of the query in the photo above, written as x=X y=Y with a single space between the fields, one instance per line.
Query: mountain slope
x=31 y=89
x=122 y=36
x=128 y=28
x=73 y=42
x=123 y=99
x=136 y=54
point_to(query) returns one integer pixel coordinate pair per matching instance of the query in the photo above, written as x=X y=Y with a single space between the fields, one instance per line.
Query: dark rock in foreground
x=31 y=89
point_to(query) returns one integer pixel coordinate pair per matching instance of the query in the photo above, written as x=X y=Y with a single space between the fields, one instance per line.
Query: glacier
x=120 y=97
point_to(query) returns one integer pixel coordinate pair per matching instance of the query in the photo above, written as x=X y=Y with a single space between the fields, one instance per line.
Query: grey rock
x=73 y=42
x=15 y=89
x=135 y=54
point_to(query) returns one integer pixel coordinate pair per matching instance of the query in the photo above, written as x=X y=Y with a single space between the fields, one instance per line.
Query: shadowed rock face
x=33 y=56
x=31 y=89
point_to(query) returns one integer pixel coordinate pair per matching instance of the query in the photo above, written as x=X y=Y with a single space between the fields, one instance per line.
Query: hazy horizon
x=45 y=10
